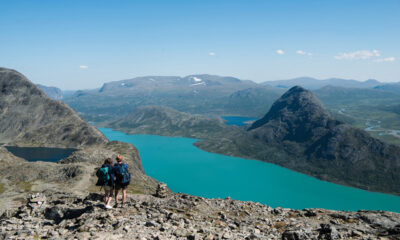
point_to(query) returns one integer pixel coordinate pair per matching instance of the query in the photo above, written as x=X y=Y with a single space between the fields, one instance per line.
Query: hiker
x=122 y=179
x=105 y=176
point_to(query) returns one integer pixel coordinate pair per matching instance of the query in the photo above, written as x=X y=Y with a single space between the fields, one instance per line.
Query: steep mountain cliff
x=300 y=134
x=29 y=118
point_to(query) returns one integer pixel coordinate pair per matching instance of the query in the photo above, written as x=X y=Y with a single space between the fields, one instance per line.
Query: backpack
x=122 y=175
x=102 y=176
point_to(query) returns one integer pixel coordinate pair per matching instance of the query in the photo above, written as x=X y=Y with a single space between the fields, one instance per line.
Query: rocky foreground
x=55 y=215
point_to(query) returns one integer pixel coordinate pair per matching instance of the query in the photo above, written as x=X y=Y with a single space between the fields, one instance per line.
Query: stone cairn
x=162 y=190
x=37 y=200
x=36 y=204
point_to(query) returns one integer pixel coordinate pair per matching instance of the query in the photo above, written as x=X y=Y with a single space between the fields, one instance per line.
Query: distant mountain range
x=351 y=101
x=201 y=94
x=193 y=82
x=391 y=87
x=313 y=83
x=333 y=96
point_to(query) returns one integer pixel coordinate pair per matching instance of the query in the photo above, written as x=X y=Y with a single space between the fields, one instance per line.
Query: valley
x=59 y=152
x=200 y=120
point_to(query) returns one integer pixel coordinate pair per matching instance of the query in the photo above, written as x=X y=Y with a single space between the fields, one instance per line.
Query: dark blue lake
x=237 y=120
x=187 y=169
x=45 y=154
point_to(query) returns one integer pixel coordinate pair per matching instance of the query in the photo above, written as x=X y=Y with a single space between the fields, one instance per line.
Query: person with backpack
x=122 y=179
x=105 y=178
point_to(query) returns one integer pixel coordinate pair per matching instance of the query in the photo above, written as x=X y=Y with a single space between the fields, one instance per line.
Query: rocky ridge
x=55 y=215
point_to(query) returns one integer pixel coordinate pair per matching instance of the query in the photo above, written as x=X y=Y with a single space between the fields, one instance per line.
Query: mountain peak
x=297 y=107
x=298 y=115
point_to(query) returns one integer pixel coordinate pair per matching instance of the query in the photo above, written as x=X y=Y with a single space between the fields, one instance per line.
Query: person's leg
x=105 y=195
x=109 y=197
x=123 y=195
x=116 y=195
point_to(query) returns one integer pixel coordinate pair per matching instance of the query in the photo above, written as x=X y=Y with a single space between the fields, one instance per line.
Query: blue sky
x=82 y=44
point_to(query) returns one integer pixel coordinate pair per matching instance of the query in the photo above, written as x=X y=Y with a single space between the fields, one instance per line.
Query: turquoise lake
x=187 y=169
x=238 y=120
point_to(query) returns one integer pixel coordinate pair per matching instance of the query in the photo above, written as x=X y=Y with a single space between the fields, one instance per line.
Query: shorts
x=108 y=188
x=119 y=186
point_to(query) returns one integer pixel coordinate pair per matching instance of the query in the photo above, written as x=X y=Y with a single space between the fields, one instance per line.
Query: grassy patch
x=26 y=186
x=387 y=138
x=2 y=188
x=279 y=225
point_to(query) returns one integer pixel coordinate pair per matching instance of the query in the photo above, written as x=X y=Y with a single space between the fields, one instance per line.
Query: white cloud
x=280 y=52
x=211 y=53
x=83 y=67
x=358 y=55
x=301 y=52
x=388 y=59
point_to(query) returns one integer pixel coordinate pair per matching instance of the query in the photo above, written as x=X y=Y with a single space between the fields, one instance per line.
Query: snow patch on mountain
x=196 y=79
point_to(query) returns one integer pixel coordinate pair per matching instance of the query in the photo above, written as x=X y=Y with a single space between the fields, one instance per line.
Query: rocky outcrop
x=57 y=215
x=29 y=118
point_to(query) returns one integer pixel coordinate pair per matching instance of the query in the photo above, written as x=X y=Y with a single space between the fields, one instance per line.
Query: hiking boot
x=109 y=207
x=116 y=205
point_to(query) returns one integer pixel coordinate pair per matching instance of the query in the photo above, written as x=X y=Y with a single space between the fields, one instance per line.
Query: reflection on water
x=33 y=154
